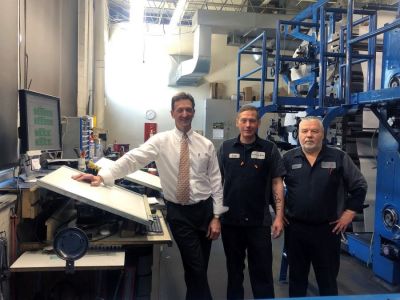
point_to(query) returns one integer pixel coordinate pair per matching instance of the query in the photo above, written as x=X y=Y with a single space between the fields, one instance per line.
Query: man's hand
x=277 y=227
x=214 y=229
x=93 y=180
x=345 y=219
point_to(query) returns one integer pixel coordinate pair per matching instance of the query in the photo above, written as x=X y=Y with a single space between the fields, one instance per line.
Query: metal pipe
x=297 y=23
x=341 y=59
x=253 y=41
x=255 y=79
x=360 y=56
x=334 y=54
x=263 y=66
x=238 y=82
x=359 y=61
x=309 y=11
x=376 y=32
x=357 y=22
x=298 y=59
x=376 y=6
x=250 y=72
x=277 y=62
x=322 y=58
x=372 y=51
x=354 y=11
x=349 y=34
x=100 y=28
x=361 y=20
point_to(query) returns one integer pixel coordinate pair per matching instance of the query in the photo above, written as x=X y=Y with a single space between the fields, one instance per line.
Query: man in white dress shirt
x=195 y=222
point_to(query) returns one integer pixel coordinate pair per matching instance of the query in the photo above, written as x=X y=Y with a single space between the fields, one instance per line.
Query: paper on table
x=140 y=177
x=153 y=200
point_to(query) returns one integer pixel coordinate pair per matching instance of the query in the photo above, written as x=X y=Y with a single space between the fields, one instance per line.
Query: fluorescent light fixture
x=178 y=13
x=136 y=12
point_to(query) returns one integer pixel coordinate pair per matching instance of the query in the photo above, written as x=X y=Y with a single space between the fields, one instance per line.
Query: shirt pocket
x=200 y=163
x=294 y=173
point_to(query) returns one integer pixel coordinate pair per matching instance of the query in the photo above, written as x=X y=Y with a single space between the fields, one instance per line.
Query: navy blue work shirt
x=247 y=171
x=318 y=194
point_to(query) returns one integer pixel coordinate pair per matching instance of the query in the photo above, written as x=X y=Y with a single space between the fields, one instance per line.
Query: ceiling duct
x=191 y=71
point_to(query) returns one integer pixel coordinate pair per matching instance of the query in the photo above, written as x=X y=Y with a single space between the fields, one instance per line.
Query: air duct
x=191 y=71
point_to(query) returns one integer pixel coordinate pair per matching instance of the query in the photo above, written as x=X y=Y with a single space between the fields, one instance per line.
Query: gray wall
x=51 y=48
x=8 y=81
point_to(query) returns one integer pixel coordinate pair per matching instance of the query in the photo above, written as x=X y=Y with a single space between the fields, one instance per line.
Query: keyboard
x=155 y=225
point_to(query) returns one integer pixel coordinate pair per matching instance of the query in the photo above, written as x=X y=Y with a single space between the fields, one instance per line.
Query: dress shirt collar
x=179 y=133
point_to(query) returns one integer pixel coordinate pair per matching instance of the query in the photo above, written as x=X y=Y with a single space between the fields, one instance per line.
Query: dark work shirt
x=247 y=171
x=319 y=193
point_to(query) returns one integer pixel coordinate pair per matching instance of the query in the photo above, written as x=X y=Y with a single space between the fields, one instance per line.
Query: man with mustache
x=325 y=189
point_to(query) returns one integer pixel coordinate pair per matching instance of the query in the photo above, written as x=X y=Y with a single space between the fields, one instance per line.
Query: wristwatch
x=216 y=216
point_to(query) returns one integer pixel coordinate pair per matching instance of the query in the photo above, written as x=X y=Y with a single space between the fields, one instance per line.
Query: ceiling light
x=136 y=12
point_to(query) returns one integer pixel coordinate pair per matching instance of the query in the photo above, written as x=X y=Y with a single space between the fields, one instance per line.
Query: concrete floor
x=354 y=278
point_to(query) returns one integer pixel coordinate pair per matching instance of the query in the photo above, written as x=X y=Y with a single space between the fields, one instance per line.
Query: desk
x=28 y=207
x=33 y=261
x=155 y=241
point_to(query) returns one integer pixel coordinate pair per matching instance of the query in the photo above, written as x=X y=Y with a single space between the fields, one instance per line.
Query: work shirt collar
x=256 y=142
x=299 y=152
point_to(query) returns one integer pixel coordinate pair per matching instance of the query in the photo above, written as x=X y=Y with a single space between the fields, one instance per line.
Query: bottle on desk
x=98 y=148
x=82 y=162
x=92 y=146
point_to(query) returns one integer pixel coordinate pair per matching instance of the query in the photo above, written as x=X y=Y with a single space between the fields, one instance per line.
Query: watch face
x=150 y=114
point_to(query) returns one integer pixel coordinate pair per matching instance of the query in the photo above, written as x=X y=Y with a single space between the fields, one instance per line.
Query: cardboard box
x=30 y=204
x=216 y=90
x=248 y=93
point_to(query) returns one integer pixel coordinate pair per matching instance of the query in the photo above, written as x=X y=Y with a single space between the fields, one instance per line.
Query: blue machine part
x=358 y=246
x=386 y=247
x=322 y=79
x=391 y=59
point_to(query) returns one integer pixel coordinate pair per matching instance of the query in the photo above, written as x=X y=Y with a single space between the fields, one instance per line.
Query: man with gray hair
x=324 y=191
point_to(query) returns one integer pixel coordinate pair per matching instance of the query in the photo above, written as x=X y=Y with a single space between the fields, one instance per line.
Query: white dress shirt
x=164 y=149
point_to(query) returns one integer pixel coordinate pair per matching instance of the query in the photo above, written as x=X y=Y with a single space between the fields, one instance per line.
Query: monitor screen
x=40 y=124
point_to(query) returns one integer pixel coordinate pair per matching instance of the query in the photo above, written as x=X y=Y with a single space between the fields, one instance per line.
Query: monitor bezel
x=24 y=129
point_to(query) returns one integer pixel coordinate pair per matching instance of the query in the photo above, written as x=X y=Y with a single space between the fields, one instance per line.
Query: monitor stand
x=31 y=166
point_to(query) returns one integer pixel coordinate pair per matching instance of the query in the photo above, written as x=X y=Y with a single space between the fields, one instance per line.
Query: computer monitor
x=40 y=122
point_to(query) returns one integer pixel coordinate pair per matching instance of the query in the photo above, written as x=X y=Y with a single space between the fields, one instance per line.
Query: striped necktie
x=183 y=186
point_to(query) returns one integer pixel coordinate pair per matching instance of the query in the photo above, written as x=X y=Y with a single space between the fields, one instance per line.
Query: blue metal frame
x=322 y=21
x=246 y=49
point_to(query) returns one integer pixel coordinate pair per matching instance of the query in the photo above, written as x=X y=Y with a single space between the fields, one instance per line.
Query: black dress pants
x=257 y=242
x=189 y=225
x=312 y=244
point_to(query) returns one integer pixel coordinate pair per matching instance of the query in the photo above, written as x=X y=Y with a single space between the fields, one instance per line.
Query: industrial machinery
x=332 y=74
